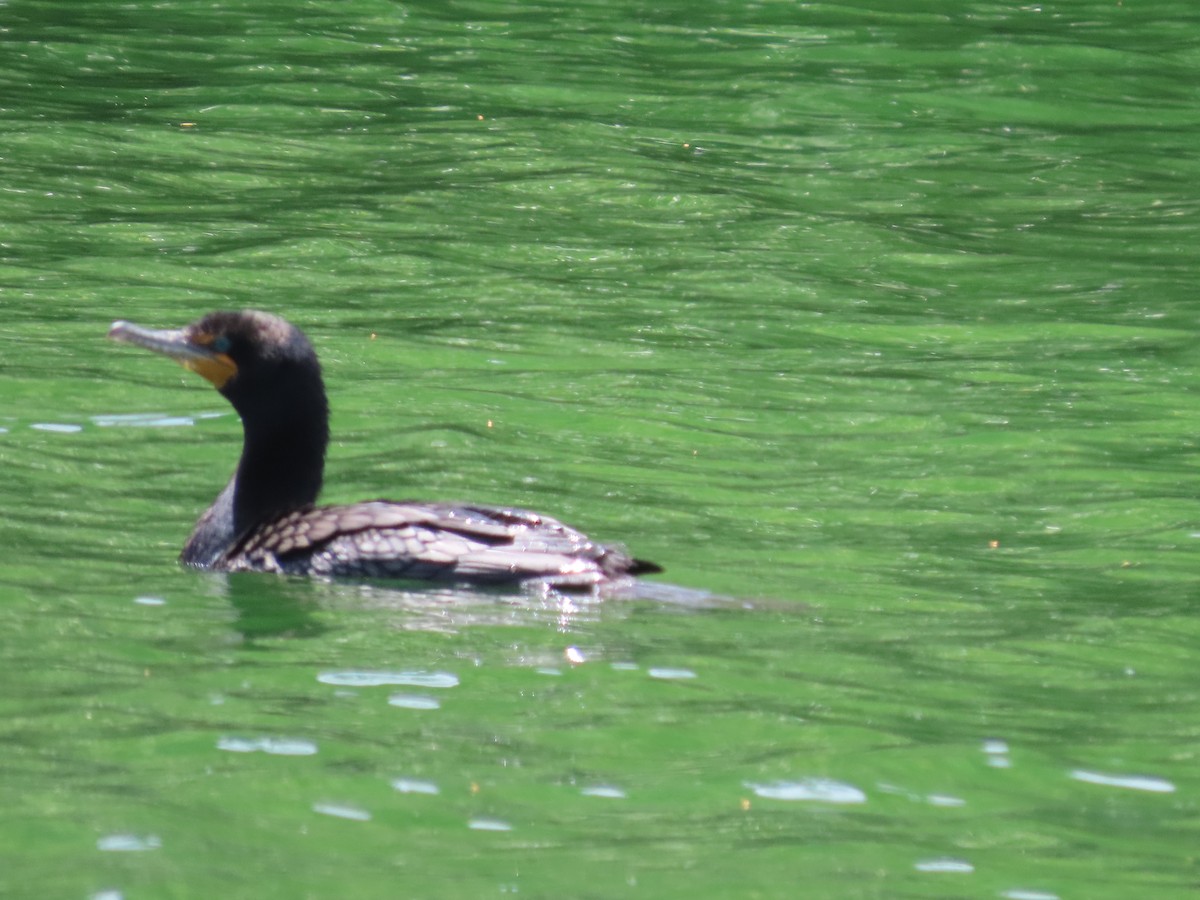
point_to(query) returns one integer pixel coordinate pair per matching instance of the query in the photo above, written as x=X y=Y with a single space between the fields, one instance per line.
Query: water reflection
x=342 y=811
x=272 y=606
x=414 y=701
x=1129 y=782
x=273 y=746
x=129 y=843
x=375 y=679
x=414 y=786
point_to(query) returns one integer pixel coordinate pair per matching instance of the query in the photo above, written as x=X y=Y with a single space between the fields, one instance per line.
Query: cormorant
x=265 y=519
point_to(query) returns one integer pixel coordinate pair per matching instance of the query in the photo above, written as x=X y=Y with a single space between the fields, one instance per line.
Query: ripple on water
x=273 y=746
x=945 y=800
x=604 y=790
x=414 y=701
x=377 y=679
x=953 y=866
x=489 y=825
x=129 y=843
x=1130 y=782
x=415 y=786
x=141 y=420
x=668 y=674
x=824 y=790
x=997 y=753
x=342 y=811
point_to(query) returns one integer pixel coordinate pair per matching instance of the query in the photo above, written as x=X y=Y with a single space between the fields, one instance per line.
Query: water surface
x=877 y=319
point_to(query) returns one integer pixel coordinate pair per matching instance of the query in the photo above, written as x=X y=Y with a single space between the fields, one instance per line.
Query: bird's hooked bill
x=189 y=350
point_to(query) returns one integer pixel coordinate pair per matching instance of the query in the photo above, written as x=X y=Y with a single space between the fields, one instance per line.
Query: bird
x=266 y=518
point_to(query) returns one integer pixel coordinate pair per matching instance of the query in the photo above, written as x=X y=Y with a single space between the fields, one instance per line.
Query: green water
x=878 y=317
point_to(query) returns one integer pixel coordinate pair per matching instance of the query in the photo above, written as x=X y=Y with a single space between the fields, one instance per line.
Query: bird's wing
x=408 y=539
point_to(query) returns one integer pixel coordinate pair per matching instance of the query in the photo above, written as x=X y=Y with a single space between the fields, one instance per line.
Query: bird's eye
x=221 y=344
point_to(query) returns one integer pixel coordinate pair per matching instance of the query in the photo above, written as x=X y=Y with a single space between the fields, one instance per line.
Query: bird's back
x=461 y=543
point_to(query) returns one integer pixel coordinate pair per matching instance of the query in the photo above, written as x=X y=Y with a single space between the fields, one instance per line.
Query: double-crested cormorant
x=264 y=520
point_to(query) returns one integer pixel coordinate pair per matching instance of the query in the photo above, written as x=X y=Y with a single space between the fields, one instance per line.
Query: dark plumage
x=264 y=520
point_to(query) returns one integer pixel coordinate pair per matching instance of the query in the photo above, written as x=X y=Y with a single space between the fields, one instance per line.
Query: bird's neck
x=280 y=470
x=282 y=464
